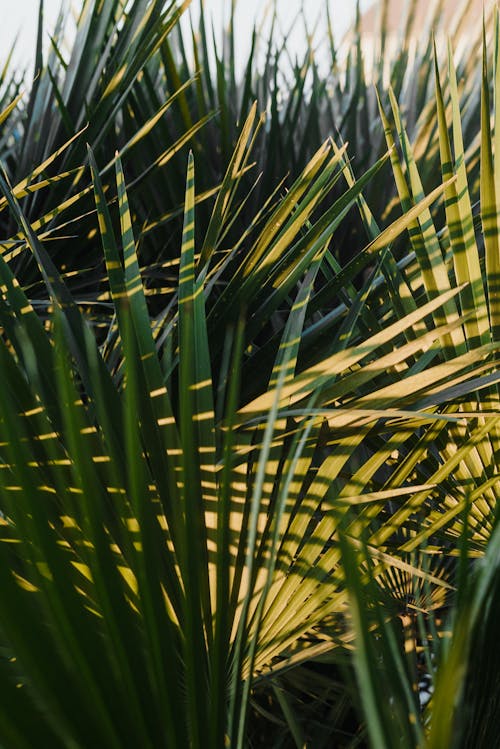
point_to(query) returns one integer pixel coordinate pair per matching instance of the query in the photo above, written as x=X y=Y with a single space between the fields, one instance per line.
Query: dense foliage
x=250 y=416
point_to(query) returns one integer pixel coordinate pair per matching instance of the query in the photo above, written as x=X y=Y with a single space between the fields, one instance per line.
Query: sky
x=21 y=16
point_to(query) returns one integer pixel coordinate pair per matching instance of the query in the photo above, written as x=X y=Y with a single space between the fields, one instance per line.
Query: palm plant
x=191 y=478
x=151 y=97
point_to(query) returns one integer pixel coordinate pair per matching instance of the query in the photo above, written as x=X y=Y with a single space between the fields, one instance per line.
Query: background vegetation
x=250 y=423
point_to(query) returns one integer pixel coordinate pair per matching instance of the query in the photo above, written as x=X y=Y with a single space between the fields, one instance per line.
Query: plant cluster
x=250 y=412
